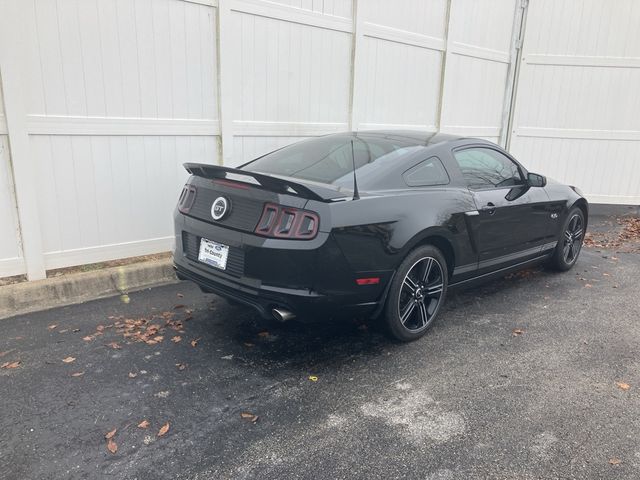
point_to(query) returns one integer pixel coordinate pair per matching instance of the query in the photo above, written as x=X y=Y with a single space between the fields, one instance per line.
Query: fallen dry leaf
x=587 y=285
x=88 y=338
x=606 y=274
x=250 y=417
x=100 y=328
x=517 y=331
x=614 y=258
x=615 y=461
x=181 y=366
x=7 y=365
x=177 y=307
x=77 y=374
x=51 y=327
x=144 y=424
x=194 y=342
x=176 y=339
x=180 y=295
x=112 y=446
x=110 y=434
x=159 y=338
x=2 y=354
x=132 y=375
x=163 y=430
x=69 y=359
x=263 y=334
x=114 y=345
x=623 y=386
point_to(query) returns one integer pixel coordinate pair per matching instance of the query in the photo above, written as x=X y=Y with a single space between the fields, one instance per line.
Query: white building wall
x=116 y=94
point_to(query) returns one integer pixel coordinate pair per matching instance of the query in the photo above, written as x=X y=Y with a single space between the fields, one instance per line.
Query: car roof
x=418 y=136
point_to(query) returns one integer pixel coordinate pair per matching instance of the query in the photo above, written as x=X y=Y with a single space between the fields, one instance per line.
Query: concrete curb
x=80 y=287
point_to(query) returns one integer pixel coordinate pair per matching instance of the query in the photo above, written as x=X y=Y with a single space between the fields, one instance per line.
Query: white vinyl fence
x=105 y=99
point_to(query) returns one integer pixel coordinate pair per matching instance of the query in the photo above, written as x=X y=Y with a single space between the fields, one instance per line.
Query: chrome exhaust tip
x=282 y=315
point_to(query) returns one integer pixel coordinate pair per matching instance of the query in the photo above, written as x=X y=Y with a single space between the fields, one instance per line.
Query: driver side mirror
x=535 y=180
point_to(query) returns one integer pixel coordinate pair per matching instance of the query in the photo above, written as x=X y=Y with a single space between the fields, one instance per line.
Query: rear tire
x=417 y=292
x=570 y=242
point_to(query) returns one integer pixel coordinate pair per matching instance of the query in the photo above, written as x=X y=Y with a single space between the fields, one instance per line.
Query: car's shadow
x=268 y=344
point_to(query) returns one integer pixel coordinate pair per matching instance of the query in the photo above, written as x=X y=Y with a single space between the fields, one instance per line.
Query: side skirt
x=502 y=271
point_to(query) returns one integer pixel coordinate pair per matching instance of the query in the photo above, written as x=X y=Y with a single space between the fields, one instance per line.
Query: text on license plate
x=214 y=254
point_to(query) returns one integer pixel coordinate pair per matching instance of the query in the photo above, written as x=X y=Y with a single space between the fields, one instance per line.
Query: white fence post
x=12 y=51
x=226 y=52
x=356 y=108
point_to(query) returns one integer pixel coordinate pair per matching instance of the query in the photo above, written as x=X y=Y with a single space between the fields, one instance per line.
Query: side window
x=487 y=168
x=429 y=172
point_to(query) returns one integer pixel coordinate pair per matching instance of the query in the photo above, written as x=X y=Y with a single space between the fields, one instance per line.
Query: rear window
x=329 y=159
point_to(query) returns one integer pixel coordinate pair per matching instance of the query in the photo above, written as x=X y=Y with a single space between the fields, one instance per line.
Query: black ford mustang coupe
x=378 y=223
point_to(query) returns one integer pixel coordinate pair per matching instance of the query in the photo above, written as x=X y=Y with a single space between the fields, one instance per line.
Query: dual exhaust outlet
x=282 y=315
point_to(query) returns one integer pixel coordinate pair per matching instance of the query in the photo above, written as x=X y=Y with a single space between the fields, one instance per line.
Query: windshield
x=330 y=159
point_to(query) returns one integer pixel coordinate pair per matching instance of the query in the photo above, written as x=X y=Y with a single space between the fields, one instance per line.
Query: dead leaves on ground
x=163 y=430
x=69 y=359
x=77 y=374
x=144 y=424
x=615 y=461
x=249 y=417
x=628 y=237
x=11 y=365
x=517 y=332
x=623 y=386
x=194 y=342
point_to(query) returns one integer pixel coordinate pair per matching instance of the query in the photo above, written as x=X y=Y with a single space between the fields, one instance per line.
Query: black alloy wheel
x=416 y=294
x=570 y=242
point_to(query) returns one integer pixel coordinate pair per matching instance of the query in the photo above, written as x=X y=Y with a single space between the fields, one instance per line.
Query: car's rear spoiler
x=310 y=191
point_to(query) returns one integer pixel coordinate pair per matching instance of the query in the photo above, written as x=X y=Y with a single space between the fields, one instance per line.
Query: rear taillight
x=187 y=198
x=287 y=222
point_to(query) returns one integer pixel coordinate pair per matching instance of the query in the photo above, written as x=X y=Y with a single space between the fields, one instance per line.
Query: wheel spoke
x=424 y=315
x=407 y=312
x=577 y=234
x=567 y=235
x=427 y=270
x=434 y=289
x=565 y=251
x=410 y=284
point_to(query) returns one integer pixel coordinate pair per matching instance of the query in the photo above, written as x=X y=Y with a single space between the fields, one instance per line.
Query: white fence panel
x=291 y=70
x=576 y=116
x=11 y=261
x=121 y=93
x=477 y=82
x=398 y=65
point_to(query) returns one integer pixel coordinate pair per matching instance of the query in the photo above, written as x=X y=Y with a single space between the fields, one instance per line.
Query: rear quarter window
x=427 y=173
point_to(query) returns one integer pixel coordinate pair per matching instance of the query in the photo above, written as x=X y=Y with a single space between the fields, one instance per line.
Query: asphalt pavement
x=533 y=376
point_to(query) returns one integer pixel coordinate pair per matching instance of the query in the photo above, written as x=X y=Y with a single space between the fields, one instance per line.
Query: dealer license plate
x=213 y=253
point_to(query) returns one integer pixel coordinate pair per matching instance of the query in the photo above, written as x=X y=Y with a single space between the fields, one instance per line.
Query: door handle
x=489 y=208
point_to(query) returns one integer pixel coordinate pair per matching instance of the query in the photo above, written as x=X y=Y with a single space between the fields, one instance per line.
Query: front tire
x=570 y=242
x=417 y=292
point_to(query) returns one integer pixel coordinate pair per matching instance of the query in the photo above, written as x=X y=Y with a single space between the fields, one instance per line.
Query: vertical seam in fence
x=513 y=74
x=225 y=86
x=443 y=70
x=356 y=58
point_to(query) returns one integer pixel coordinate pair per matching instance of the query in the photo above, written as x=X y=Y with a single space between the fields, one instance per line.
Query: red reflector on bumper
x=368 y=281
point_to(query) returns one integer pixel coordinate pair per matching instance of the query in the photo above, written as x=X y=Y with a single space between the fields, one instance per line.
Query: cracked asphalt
x=517 y=380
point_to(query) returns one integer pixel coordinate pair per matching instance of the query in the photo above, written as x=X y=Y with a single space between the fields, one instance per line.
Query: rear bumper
x=312 y=279
x=305 y=304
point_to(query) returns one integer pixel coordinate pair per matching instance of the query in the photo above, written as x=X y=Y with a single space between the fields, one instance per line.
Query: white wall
x=109 y=97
